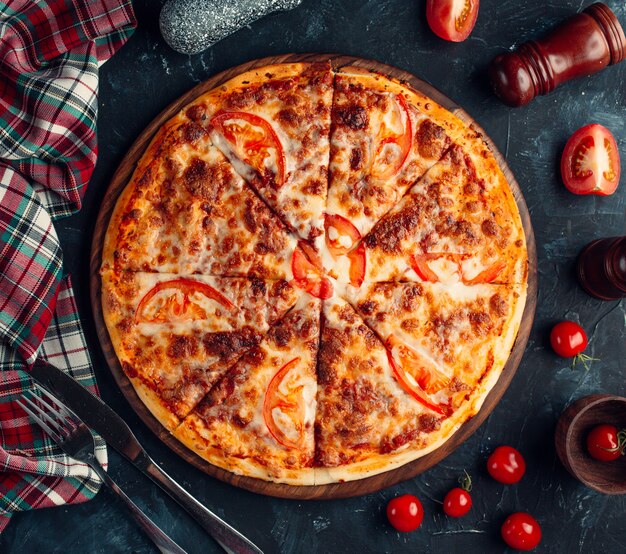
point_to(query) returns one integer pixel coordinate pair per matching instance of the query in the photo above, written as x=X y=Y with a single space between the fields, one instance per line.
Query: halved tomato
x=393 y=145
x=285 y=395
x=357 y=265
x=341 y=234
x=452 y=20
x=255 y=141
x=416 y=374
x=590 y=163
x=178 y=300
x=308 y=272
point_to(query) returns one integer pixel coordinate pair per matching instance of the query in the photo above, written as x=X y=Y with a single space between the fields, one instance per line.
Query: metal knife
x=102 y=419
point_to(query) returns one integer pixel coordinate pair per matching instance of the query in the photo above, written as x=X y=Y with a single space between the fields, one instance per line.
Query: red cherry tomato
x=590 y=162
x=606 y=443
x=452 y=20
x=568 y=339
x=506 y=465
x=457 y=502
x=521 y=531
x=405 y=513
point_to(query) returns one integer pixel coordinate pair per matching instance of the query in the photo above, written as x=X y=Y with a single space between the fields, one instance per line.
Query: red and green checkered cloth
x=50 y=51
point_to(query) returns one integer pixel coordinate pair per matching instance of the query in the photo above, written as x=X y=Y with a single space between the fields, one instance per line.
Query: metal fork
x=76 y=440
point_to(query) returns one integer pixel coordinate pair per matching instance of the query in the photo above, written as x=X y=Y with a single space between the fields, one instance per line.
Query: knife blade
x=113 y=429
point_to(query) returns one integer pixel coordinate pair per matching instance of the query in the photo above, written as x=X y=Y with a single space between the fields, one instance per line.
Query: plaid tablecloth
x=50 y=51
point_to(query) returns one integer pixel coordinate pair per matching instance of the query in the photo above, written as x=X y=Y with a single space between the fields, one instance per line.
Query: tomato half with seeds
x=521 y=531
x=568 y=339
x=590 y=163
x=452 y=20
x=341 y=234
x=416 y=374
x=393 y=144
x=308 y=273
x=283 y=407
x=254 y=141
x=178 y=300
x=405 y=513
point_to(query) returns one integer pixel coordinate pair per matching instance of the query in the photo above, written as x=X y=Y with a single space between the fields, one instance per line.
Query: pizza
x=314 y=275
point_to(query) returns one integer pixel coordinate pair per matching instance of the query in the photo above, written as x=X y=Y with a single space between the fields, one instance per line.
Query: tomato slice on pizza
x=283 y=406
x=178 y=300
x=418 y=375
x=393 y=142
x=308 y=273
x=255 y=141
x=357 y=265
x=341 y=235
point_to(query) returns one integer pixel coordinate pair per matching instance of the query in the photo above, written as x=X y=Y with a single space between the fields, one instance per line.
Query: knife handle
x=229 y=538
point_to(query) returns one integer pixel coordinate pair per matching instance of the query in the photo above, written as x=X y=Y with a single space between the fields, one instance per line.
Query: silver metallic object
x=191 y=26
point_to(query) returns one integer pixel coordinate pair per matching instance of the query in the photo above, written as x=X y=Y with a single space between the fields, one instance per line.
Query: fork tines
x=56 y=428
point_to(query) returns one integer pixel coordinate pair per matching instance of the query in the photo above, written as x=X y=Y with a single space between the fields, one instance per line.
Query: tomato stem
x=466 y=481
x=584 y=359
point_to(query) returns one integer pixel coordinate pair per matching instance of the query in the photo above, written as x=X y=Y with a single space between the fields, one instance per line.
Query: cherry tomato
x=405 y=513
x=568 y=339
x=521 y=531
x=452 y=19
x=590 y=162
x=506 y=465
x=457 y=502
x=606 y=443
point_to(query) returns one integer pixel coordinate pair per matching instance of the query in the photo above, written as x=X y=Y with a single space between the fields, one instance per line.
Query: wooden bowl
x=571 y=432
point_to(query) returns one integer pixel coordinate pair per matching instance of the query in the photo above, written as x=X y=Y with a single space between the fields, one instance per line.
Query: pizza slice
x=258 y=419
x=186 y=211
x=382 y=142
x=176 y=335
x=366 y=421
x=458 y=224
x=273 y=125
x=447 y=344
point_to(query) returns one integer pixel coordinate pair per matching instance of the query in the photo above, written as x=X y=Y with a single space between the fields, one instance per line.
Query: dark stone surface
x=146 y=76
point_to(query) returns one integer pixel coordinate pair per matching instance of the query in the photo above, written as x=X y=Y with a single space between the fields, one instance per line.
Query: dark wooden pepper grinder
x=582 y=45
x=601 y=268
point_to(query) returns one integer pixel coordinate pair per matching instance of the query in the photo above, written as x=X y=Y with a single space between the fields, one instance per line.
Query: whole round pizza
x=314 y=275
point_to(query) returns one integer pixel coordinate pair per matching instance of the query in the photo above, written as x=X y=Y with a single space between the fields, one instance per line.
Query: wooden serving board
x=337 y=490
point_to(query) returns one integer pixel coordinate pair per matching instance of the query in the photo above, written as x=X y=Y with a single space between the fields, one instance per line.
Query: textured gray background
x=146 y=76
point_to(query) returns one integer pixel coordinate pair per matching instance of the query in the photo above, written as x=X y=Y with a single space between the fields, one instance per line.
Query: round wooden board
x=337 y=490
